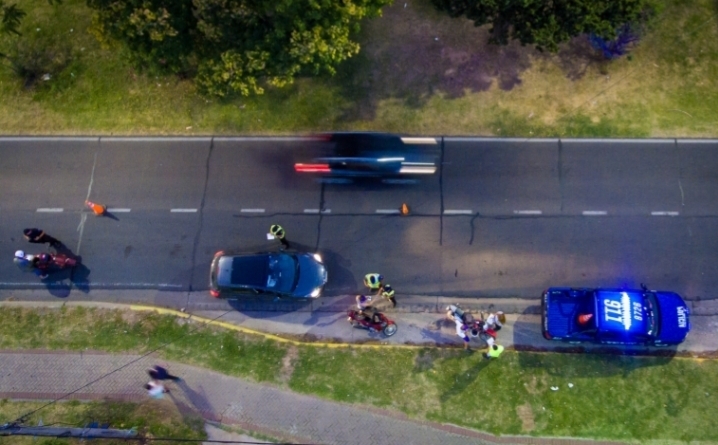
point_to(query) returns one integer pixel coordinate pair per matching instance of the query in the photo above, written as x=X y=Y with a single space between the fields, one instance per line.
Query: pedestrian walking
x=374 y=282
x=494 y=352
x=278 y=232
x=388 y=292
x=28 y=263
x=462 y=331
x=38 y=236
x=156 y=389
x=159 y=373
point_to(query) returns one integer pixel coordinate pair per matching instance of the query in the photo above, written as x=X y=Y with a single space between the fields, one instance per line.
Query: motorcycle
x=376 y=321
x=48 y=261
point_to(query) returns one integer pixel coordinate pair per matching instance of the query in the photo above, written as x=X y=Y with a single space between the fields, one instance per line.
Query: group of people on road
x=489 y=323
x=35 y=263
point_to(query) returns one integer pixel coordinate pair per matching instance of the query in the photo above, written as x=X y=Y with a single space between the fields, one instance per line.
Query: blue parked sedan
x=614 y=316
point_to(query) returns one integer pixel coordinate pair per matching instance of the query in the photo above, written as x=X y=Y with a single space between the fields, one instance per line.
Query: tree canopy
x=548 y=23
x=235 y=46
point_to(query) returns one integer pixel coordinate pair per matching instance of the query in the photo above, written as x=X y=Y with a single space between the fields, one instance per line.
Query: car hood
x=674 y=322
x=312 y=274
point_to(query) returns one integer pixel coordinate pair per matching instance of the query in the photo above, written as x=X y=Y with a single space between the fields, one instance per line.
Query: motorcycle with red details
x=49 y=262
x=476 y=326
x=372 y=320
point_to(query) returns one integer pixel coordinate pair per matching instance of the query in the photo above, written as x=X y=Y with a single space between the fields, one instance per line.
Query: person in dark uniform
x=38 y=236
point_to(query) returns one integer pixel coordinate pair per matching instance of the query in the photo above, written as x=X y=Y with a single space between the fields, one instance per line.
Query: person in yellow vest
x=374 y=282
x=278 y=232
x=494 y=351
x=388 y=293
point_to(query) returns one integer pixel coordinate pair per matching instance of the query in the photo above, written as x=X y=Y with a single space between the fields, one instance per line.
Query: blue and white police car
x=614 y=316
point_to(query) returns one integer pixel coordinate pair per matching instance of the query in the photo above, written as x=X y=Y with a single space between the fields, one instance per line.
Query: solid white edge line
x=619 y=141
x=155 y=139
x=665 y=213
x=50 y=210
x=594 y=212
x=480 y=139
x=252 y=211
x=183 y=210
x=387 y=211
x=102 y=285
x=119 y=210
x=527 y=212
x=48 y=139
x=458 y=212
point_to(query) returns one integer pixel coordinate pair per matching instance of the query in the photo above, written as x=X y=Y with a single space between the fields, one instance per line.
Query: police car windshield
x=650 y=305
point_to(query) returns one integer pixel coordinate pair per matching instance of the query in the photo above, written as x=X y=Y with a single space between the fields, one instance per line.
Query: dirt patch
x=290 y=358
x=531 y=386
x=526 y=414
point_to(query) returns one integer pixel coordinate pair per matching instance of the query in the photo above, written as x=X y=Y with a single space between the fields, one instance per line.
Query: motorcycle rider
x=454 y=313
x=29 y=263
x=366 y=311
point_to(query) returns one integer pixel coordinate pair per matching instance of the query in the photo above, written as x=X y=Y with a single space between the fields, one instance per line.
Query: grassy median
x=589 y=396
x=419 y=72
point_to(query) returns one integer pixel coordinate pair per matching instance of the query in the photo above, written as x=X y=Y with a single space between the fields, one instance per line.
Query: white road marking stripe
x=431 y=141
x=317 y=211
x=119 y=210
x=458 y=212
x=594 y=212
x=387 y=211
x=527 y=212
x=664 y=213
x=95 y=285
x=618 y=141
x=252 y=211
x=50 y=209
x=183 y=210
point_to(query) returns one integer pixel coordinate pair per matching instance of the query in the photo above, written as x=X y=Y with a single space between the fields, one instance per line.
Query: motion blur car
x=614 y=316
x=373 y=155
x=279 y=274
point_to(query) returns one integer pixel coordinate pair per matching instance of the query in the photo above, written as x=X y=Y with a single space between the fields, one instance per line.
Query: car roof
x=245 y=270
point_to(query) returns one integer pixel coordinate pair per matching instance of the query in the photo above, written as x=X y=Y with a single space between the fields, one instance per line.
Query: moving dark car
x=373 y=155
x=614 y=316
x=278 y=274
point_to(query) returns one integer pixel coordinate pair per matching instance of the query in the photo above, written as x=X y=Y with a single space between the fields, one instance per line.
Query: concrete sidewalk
x=44 y=375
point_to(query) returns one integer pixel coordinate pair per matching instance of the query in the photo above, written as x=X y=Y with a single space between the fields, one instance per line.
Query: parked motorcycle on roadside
x=372 y=320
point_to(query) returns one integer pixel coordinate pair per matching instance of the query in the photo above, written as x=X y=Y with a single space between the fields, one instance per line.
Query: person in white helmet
x=494 y=321
x=28 y=263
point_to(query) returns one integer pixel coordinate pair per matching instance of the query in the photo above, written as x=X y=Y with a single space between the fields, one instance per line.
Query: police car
x=614 y=316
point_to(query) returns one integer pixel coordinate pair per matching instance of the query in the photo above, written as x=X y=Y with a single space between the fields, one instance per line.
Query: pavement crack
x=195 y=243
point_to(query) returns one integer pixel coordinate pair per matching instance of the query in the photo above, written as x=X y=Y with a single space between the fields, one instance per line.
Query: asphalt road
x=501 y=218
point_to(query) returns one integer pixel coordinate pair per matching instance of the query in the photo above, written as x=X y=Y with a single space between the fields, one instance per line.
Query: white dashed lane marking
x=665 y=213
x=317 y=211
x=458 y=212
x=50 y=210
x=527 y=212
x=111 y=210
x=252 y=211
x=594 y=213
x=183 y=210
x=387 y=211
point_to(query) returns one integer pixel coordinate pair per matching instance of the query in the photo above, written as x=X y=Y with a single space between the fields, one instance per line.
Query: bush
x=37 y=59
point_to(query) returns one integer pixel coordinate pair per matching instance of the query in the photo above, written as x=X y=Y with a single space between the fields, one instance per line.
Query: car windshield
x=283 y=272
x=650 y=306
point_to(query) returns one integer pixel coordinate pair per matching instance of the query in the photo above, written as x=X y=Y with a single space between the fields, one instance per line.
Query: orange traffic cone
x=404 y=209
x=97 y=209
x=584 y=318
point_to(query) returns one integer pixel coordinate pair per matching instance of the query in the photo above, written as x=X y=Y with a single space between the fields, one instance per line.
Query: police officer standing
x=494 y=351
x=278 y=232
x=388 y=293
x=374 y=282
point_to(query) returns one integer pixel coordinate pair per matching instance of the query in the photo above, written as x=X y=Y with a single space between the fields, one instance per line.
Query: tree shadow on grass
x=414 y=52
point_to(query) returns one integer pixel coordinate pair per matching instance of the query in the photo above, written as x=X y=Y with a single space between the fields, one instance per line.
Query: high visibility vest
x=277 y=231
x=495 y=353
x=372 y=280
x=388 y=294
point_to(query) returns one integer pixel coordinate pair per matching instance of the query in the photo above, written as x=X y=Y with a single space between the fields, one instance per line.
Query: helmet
x=387 y=287
x=19 y=254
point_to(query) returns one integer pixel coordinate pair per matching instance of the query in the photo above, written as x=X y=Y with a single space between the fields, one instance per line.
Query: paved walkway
x=292 y=417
